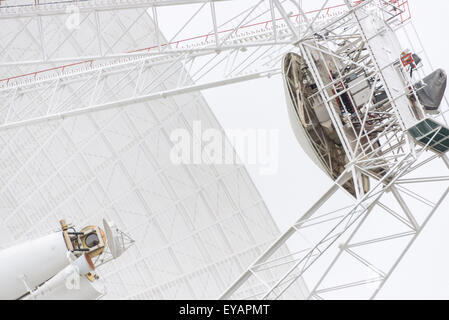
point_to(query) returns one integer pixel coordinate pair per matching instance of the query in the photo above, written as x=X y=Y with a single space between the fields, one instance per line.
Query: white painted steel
x=91 y=140
x=386 y=48
x=348 y=246
x=196 y=227
x=28 y=265
x=69 y=284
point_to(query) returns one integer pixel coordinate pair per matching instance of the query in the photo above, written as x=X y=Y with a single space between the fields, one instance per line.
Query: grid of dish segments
x=189 y=222
x=196 y=227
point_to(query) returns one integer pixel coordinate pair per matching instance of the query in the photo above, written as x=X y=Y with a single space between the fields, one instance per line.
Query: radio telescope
x=92 y=89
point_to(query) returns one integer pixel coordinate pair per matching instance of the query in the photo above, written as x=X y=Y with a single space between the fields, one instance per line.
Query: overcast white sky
x=424 y=272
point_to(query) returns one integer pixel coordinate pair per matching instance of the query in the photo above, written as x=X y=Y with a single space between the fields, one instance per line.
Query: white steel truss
x=196 y=227
x=347 y=247
x=118 y=31
x=45 y=34
x=344 y=250
x=253 y=52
